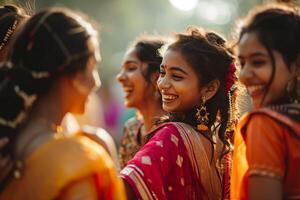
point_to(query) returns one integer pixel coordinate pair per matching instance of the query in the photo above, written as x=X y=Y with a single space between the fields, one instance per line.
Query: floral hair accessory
x=230 y=79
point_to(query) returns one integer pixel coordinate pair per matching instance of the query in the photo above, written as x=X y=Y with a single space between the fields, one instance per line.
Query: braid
x=51 y=44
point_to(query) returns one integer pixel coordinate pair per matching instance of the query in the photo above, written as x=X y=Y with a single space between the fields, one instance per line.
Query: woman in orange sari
x=51 y=71
x=182 y=158
x=266 y=158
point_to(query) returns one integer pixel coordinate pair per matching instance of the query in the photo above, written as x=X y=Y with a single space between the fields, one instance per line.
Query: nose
x=163 y=83
x=245 y=74
x=121 y=76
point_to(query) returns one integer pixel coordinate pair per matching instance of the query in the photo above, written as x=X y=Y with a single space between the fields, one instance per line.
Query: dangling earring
x=202 y=117
x=293 y=89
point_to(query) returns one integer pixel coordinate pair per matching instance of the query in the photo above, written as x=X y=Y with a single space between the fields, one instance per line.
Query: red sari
x=176 y=163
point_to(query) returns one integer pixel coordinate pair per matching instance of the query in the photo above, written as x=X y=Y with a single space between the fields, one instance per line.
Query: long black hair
x=52 y=43
x=211 y=59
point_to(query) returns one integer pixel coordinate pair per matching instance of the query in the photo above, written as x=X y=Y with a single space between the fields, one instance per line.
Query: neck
x=46 y=114
x=150 y=112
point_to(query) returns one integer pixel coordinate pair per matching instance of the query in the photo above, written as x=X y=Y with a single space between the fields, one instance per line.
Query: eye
x=131 y=68
x=242 y=63
x=177 y=77
x=258 y=63
x=162 y=72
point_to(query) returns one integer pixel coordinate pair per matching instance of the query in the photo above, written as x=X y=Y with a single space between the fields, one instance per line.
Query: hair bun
x=215 y=39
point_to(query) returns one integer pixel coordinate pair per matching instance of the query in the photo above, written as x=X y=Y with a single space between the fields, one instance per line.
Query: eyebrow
x=175 y=68
x=255 y=54
x=130 y=62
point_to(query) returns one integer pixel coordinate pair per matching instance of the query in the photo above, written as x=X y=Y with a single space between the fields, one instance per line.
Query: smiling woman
x=140 y=70
x=196 y=74
x=266 y=159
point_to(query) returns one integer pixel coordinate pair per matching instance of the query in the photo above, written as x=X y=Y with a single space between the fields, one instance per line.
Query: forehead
x=175 y=58
x=249 y=44
x=130 y=54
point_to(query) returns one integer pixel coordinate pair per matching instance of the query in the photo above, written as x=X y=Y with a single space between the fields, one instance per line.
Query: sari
x=176 y=163
x=266 y=144
x=56 y=164
x=131 y=140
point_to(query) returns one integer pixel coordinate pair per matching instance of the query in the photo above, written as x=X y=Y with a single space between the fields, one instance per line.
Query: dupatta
x=174 y=164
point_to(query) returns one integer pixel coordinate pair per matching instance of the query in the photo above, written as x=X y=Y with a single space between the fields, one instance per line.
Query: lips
x=167 y=98
x=255 y=90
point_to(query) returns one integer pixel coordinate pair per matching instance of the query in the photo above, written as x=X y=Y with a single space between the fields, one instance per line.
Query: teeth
x=254 y=88
x=169 y=97
x=127 y=89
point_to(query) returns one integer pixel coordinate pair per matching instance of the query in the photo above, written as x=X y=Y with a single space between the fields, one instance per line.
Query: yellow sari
x=54 y=165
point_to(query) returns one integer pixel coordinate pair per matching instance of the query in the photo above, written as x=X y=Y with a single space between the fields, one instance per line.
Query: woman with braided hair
x=183 y=157
x=11 y=16
x=266 y=158
x=51 y=70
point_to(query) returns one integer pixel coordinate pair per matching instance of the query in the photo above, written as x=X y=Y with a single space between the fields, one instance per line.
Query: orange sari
x=61 y=161
x=266 y=144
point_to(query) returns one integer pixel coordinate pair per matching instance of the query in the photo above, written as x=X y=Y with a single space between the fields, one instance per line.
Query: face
x=84 y=82
x=256 y=69
x=178 y=83
x=132 y=80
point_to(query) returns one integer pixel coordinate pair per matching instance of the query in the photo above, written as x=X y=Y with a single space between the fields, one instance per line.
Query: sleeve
x=266 y=149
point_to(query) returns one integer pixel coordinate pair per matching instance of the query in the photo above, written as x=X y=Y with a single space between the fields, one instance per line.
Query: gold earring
x=293 y=89
x=202 y=117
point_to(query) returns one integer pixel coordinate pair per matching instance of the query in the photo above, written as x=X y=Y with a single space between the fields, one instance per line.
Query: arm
x=82 y=189
x=266 y=153
x=129 y=191
x=103 y=138
x=264 y=188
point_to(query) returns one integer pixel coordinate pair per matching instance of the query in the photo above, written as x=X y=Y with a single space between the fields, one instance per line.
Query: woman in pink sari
x=184 y=156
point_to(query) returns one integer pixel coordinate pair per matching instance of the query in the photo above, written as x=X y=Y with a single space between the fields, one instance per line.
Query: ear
x=153 y=78
x=295 y=67
x=210 y=90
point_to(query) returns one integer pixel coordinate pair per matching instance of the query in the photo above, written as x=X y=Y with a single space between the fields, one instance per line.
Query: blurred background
x=120 y=21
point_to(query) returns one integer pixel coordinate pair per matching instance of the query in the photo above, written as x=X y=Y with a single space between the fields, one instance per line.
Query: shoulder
x=133 y=125
x=73 y=156
x=134 y=121
x=165 y=130
x=262 y=120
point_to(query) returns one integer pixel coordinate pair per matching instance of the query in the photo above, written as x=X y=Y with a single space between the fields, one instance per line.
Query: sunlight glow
x=184 y=5
x=217 y=12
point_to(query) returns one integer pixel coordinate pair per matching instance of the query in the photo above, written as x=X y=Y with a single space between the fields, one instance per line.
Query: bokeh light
x=184 y=5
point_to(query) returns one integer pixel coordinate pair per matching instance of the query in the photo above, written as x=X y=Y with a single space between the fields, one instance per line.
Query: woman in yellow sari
x=51 y=71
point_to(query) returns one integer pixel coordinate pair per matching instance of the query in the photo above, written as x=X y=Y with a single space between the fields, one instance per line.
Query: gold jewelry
x=202 y=117
x=293 y=89
x=9 y=32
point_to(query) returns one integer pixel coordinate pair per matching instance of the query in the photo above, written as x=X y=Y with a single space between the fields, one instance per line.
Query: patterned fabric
x=61 y=161
x=176 y=163
x=266 y=144
x=129 y=143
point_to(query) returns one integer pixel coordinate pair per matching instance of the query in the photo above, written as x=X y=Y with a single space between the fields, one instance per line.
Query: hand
x=6 y=163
